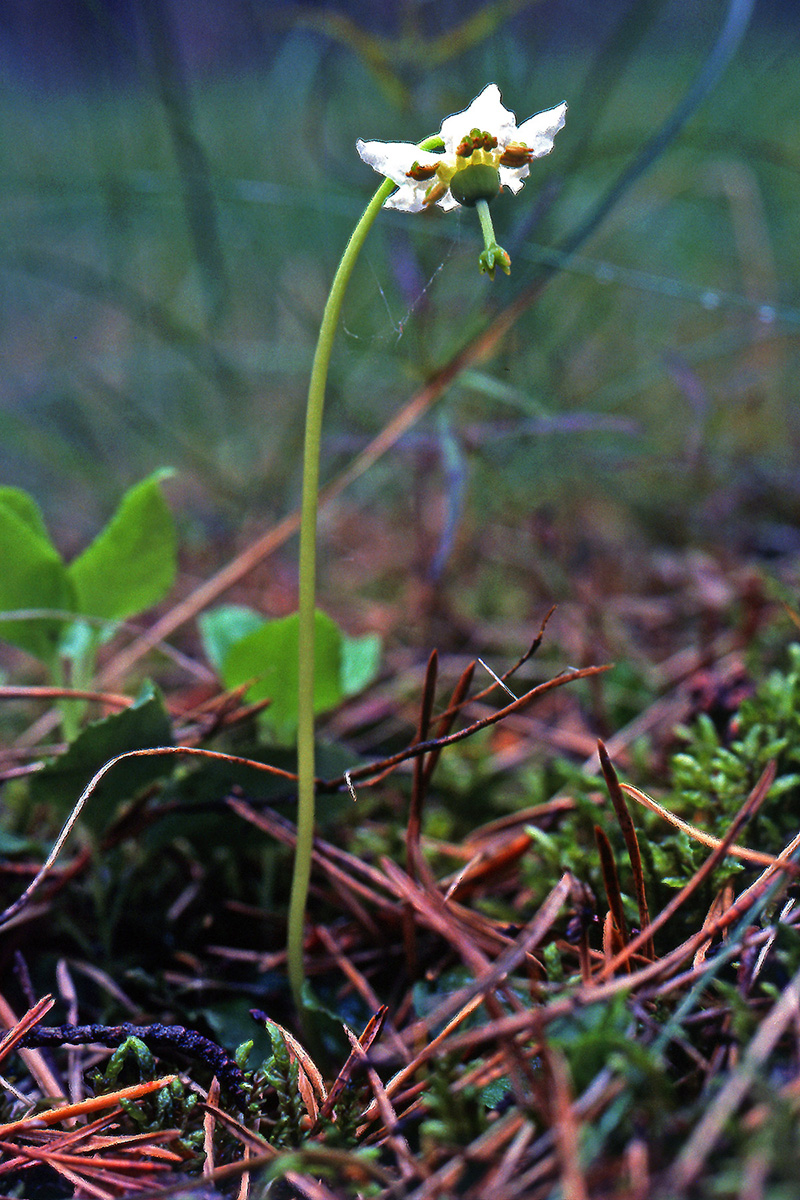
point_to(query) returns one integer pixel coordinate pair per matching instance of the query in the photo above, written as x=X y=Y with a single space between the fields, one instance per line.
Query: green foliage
x=132 y=1050
x=171 y=1107
x=242 y=1054
x=603 y=1036
x=33 y=577
x=714 y=777
x=281 y=1072
x=711 y=778
x=221 y=628
x=348 y=1115
x=455 y=1115
x=145 y=724
x=25 y=509
x=231 y=1024
x=129 y=567
x=771 y=1146
x=244 y=647
x=131 y=563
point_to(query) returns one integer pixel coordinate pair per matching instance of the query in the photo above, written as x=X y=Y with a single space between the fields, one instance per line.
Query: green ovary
x=475 y=182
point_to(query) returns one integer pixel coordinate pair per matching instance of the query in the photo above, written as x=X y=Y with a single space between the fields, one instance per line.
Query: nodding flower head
x=481 y=151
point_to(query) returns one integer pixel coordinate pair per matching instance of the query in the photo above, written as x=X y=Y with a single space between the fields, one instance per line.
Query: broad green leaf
x=26 y=509
x=145 y=724
x=269 y=656
x=131 y=563
x=360 y=661
x=32 y=576
x=221 y=628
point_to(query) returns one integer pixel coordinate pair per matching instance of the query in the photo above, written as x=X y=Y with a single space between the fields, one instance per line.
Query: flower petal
x=414 y=199
x=395 y=159
x=513 y=177
x=447 y=202
x=538 y=132
x=409 y=197
x=485 y=112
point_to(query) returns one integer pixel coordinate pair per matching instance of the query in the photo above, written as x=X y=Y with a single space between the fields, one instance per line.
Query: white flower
x=485 y=136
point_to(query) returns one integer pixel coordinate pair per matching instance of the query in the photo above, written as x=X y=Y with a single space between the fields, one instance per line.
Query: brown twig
x=608 y=867
x=164 y=1039
x=707 y=1132
x=415 y=864
x=393 y=760
x=90 y=1104
x=746 y=812
x=631 y=841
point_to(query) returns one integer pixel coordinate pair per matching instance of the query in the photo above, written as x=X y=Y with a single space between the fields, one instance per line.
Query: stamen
x=516 y=154
x=419 y=173
x=434 y=193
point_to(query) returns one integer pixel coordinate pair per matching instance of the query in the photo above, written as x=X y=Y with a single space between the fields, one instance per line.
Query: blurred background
x=178 y=181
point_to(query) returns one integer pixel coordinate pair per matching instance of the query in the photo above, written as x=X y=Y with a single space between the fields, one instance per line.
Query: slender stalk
x=493 y=256
x=308 y=559
x=485 y=218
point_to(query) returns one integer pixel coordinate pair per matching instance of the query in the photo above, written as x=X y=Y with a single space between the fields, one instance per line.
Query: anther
x=516 y=155
x=420 y=173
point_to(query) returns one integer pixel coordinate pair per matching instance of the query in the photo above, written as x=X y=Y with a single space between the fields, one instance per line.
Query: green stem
x=485 y=218
x=70 y=726
x=493 y=256
x=307 y=597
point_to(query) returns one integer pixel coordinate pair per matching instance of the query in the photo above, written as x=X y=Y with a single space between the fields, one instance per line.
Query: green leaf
x=360 y=662
x=16 y=843
x=327 y=1023
x=221 y=628
x=494 y=1093
x=231 y=1024
x=269 y=656
x=33 y=576
x=145 y=724
x=26 y=509
x=131 y=563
